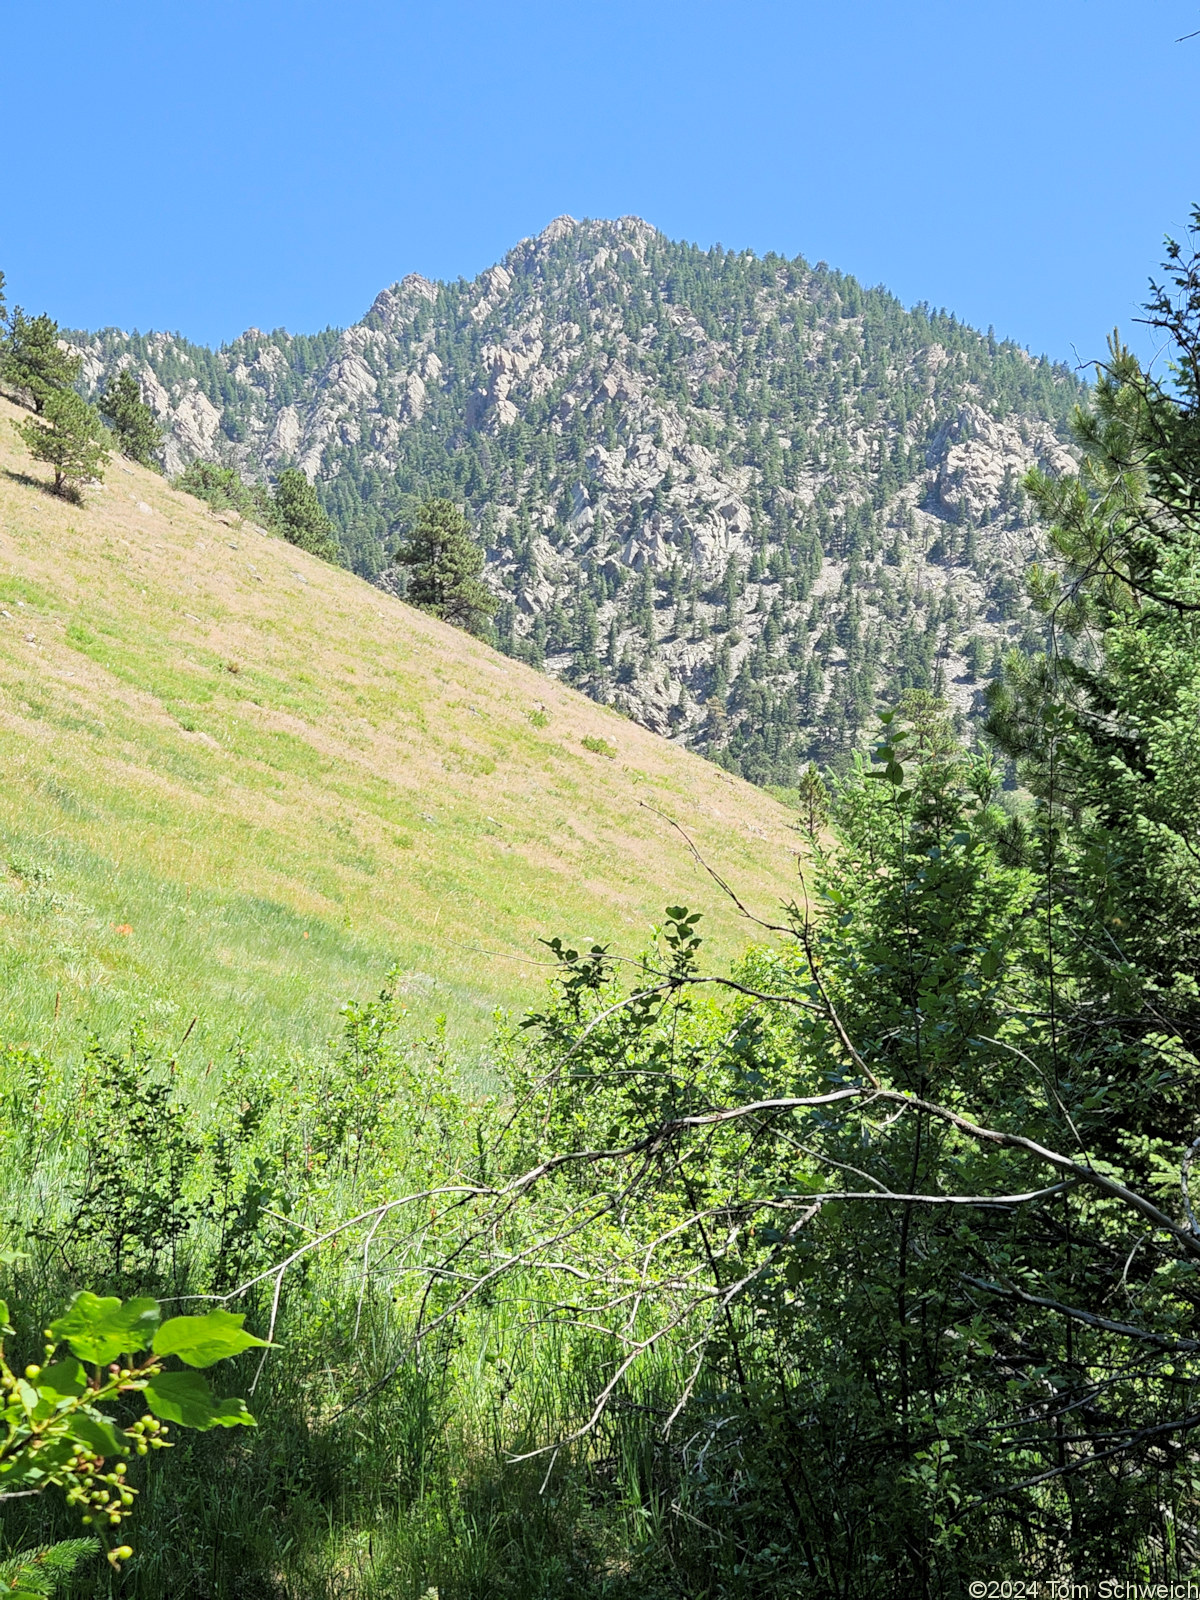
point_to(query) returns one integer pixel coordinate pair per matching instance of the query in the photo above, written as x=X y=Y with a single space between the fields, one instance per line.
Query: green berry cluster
x=104 y=1496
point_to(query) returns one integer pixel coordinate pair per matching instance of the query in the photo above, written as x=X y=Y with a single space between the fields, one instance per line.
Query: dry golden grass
x=238 y=783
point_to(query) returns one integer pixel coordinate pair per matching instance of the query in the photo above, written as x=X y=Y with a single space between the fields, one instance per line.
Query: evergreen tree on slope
x=300 y=518
x=69 y=437
x=131 y=419
x=34 y=361
x=445 y=564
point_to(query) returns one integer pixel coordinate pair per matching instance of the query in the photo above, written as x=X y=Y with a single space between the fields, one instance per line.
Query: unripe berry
x=32 y=1371
x=123 y=1552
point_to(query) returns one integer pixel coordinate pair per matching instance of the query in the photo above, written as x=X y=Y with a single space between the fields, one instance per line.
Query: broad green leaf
x=186 y=1398
x=182 y=1397
x=24 y=1467
x=98 y=1433
x=200 y=1341
x=100 y=1330
x=30 y=1466
x=65 y=1380
x=232 y=1413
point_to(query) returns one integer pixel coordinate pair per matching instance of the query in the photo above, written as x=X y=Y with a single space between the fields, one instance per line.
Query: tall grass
x=379 y=1468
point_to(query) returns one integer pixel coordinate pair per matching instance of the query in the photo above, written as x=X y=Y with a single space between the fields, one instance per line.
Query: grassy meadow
x=239 y=784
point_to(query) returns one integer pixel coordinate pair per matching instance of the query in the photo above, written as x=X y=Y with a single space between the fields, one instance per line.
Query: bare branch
x=1181 y=1426
x=771 y=927
x=1106 y=1324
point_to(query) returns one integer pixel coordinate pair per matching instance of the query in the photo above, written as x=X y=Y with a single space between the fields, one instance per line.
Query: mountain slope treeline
x=733 y=496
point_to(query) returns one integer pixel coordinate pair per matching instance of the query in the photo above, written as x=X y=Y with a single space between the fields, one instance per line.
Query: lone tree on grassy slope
x=301 y=519
x=70 y=437
x=445 y=563
x=33 y=360
x=131 y=420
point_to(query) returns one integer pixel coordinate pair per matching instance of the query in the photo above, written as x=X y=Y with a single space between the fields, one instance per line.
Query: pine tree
x=444 y=565
x=131 y=419
x=35 y=363
x=70 y=437
x=39 y=1571
x=300 y=518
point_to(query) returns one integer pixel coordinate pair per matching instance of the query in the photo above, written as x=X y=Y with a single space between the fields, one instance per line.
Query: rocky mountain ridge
x=742 y=499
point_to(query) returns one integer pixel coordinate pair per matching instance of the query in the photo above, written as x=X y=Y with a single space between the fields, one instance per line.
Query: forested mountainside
x=738 y=498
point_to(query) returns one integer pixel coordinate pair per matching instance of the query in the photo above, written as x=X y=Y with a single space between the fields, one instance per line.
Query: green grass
x=332 y=1496
x=282 y=787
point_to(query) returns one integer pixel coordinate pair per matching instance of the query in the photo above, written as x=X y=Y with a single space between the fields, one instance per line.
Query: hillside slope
x=238 y=783
x=741 y=498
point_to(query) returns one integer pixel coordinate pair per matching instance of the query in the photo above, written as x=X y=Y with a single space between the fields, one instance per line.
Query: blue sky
x=254 y=162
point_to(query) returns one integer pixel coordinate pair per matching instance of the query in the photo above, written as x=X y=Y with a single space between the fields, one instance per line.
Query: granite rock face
x=744 y=500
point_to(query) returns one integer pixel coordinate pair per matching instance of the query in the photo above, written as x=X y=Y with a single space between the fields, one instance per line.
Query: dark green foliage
x=68 y=436
x=131 y=419
x=1104 y=728
x=444 y=564
x=300 y=518
x=293 y=510
x=32 y=360
x=856 y=1346
x=814 y=801
x=127 y=1213
x=224 y=489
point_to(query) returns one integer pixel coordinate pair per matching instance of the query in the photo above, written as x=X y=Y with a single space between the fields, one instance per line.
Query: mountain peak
x=558 y=229
x=742 y=501
x=397 y=304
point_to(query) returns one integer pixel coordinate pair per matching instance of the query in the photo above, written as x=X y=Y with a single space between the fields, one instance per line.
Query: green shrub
x=598 y=746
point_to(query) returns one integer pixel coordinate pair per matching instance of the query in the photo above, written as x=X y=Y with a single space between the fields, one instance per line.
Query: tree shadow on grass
x=73 y=497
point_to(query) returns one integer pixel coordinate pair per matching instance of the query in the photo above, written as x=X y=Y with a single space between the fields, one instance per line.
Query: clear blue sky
x=205 y=167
